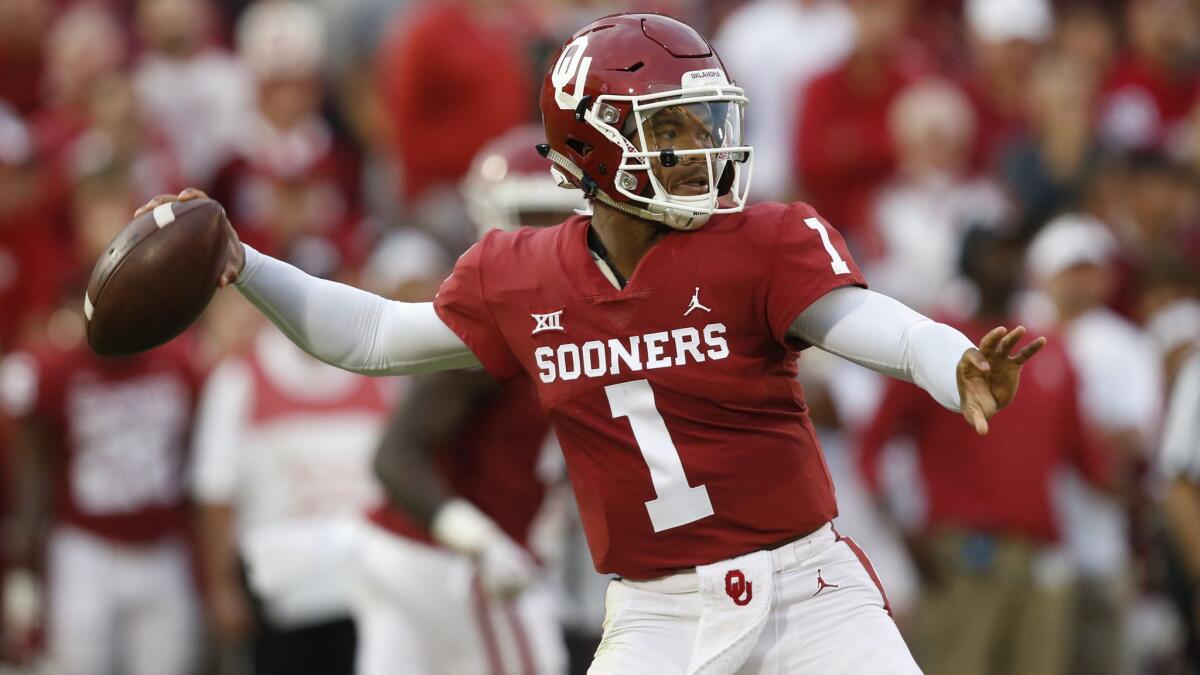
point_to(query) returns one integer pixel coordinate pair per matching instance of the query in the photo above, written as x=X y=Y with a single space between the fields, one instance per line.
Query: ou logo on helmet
x=572 y=64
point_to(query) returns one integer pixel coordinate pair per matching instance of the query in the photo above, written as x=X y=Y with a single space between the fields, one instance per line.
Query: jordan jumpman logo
x=695 y=303
x=822 y=584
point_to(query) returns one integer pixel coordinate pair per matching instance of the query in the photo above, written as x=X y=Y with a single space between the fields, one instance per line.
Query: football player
x=427 y=600
x=661 y=333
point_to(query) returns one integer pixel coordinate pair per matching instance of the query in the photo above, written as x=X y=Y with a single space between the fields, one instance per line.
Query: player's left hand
x=988 y=376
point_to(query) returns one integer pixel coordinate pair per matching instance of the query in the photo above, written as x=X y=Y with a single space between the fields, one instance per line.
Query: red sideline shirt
x=843 y=150
x=999 y=482
x=451 y=81
x=684 y=430
x=494 y=465
x=120 y=430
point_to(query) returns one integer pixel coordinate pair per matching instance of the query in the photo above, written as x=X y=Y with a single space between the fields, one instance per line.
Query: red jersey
x=684 y=430
x=31 y=269
x=494 y=465
x=999 y=482
x=120 y=429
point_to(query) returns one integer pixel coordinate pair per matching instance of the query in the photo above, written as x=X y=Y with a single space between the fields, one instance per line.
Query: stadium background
x=934 y=135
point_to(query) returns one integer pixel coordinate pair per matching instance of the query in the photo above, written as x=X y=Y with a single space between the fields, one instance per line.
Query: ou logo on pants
x=737 y=588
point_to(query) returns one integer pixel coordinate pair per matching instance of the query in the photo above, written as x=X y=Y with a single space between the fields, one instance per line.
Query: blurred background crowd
x=988 y=161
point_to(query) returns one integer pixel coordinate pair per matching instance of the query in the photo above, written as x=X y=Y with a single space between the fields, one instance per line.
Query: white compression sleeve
x=348 y=327
x=886 y=336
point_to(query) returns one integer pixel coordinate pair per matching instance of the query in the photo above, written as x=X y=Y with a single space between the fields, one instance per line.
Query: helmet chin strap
x=672 y=218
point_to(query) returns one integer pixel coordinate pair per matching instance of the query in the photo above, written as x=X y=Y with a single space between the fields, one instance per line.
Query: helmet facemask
x=691 y=153
x=689 y=148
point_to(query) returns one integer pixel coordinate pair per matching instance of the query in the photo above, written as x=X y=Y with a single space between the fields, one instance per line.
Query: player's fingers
x=1009 y=341
x=988 y=344
x=160 y=199
x=973 y=357
x=191 y=193
x=975 y=417
x=1029 y=350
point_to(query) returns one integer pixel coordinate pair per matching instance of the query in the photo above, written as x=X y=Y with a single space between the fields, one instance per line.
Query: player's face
x=694 y=126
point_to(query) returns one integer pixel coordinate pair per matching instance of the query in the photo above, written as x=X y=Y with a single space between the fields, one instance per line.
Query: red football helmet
x=509 y=185
x=630 y=97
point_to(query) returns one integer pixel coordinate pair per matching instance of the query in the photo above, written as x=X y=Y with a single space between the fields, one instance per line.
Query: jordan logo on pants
x=822 y=584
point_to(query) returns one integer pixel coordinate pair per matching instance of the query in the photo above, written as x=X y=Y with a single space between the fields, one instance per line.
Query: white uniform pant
x=115 y=608
x=827 y=616
x=420 y=610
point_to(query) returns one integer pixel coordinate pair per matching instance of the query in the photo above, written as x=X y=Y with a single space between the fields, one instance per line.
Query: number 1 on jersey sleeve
x=837 y=262
x=677 y=502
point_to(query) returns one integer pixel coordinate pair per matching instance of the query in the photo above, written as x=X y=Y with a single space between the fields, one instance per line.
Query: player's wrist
x=251 y=261
x=460 y=526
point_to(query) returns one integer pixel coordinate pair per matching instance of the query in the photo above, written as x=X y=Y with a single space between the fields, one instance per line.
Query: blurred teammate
x=997 y=595
x=100 y=454
x=462 y=441
x=661 y=333
x=282 y=470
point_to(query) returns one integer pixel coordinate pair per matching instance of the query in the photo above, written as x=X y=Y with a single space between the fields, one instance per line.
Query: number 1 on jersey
x=836 y=262
x=677 y=502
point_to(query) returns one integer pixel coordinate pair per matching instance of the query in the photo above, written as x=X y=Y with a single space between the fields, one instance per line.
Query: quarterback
x=662 y=333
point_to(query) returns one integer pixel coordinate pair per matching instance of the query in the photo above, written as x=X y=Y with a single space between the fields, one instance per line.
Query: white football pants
x=420 y=610
x=119 y=609
x=811 y=607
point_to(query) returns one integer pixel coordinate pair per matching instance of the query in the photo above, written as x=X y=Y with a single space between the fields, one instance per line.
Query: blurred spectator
x=292 y=184
x=1086 y=35
x=454 y=76
x=356 y=28
x=1121 y=380
x=116 y=134
x=922 y=213
x=1154 y=84
x=843 y=151
x=1005 y=37
x=476 y=486
x=85 y=44
x=192 y=89
x=23 y=26
x=773 y=48
x=997 y=586
x=1153 y=210
x=100 y=453
x=1158 y=195
x=282 y=468
x=29 y=256
x=1048 y=168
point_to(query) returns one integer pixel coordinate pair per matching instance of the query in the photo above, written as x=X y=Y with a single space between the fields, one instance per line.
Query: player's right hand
x=235 y=258
x=506 y=569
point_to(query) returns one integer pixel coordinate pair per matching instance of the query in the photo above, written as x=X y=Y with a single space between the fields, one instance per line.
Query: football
x=155 y=277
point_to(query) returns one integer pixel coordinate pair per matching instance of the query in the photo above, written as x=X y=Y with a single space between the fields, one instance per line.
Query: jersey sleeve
x=462 y=304
x=810 y=259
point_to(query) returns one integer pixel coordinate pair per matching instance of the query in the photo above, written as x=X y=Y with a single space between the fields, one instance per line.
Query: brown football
x=155 y=277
